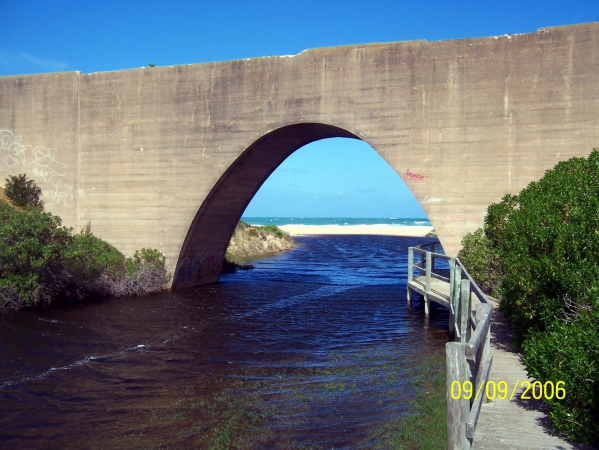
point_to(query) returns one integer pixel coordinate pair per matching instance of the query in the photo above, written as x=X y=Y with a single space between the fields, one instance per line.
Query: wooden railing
x=469 y=358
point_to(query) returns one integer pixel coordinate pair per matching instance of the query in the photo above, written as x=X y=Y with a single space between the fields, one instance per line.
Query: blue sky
x=91 y=36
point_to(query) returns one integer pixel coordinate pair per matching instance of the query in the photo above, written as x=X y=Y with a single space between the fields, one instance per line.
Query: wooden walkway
x=517 y=424
x=439 y=290
x=481 y=354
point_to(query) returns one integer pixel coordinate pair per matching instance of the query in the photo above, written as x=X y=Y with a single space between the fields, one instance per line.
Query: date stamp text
x=500 y=390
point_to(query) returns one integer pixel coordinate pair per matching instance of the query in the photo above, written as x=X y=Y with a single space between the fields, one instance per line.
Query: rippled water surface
x=313 y=348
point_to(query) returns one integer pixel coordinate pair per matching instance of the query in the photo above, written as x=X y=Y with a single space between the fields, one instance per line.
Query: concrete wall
x=168 y=157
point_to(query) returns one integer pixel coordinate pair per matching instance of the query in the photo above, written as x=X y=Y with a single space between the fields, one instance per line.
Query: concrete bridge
x=169 y=157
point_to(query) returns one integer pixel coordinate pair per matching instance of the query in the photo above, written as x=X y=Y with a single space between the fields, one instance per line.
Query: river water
x=313 y=348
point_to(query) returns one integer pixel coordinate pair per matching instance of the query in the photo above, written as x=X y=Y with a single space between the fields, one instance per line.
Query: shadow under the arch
x=203 y=250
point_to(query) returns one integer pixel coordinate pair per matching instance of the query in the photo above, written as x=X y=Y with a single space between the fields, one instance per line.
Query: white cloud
x=10 y=58
x=44 y=63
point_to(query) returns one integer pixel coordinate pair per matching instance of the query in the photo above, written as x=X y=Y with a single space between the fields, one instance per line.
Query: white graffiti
x=428 y=200
x=55 y=195
x=40 y=160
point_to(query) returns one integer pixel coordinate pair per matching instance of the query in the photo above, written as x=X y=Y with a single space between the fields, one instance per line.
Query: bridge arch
x=204 y=248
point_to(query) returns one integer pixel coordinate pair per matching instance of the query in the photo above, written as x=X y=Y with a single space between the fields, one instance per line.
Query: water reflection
x=313 y=347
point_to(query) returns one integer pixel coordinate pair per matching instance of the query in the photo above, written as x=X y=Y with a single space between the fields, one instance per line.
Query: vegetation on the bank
x=22 y=192
x=42 y=261
x=426 y=428
x=250 y=242
x=539 y=251
x=431 y=233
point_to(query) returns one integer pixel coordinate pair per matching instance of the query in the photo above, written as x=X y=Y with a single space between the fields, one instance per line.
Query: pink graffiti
x=414 y=177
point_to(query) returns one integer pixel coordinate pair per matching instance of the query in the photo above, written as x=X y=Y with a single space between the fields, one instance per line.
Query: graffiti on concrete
x=41 y=161
x=428 y=200
x=413 y=178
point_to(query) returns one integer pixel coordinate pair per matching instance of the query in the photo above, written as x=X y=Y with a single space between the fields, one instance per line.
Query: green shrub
x=33 y=256
x=146 y=256
x=550 y=244
x=482 y=261
x=568 y=351
x=89 y=258
x=546 y=240
x=23 y=192
x=145 y=272
x=273 y=229
x=431 y=233
x=42 y=261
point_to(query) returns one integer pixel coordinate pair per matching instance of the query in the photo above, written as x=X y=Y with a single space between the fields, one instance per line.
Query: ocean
x=338 y=221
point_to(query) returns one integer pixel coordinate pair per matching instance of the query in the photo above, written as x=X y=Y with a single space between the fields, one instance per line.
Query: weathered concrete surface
x=169 y=157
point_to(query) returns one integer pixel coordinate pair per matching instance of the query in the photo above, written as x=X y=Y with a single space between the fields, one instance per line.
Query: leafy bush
x=23 y=192
x=143 y=273
x=89 y=258
x=482 y=261
x=33 y=249
x=569 y=352
x=544 y=243
x=42 y=261
x=550 y=244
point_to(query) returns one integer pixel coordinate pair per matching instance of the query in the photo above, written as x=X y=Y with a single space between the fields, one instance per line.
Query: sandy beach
x=300 y=230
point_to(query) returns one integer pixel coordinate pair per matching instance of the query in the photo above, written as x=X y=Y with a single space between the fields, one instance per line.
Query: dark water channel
x=314 y=348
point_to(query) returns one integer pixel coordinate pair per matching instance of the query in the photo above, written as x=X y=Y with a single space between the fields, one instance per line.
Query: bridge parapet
x=140 y=152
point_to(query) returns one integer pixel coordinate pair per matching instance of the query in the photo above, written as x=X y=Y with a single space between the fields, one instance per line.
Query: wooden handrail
x=480 y=333
x=420 y=250
x=436 y=255
x=469 y=359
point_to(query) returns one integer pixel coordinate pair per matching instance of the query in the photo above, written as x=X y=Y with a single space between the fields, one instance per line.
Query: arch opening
x=204 y=248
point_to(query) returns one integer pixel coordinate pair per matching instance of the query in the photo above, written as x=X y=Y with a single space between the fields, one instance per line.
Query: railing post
x=433 y=257
x=427 y=288
x=481 y=310
x=455 y=299
x=410 y=273
x=458 y=410
x=465 y=310
x=451 y=331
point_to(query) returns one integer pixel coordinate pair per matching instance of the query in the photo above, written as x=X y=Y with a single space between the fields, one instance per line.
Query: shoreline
x=309 y=230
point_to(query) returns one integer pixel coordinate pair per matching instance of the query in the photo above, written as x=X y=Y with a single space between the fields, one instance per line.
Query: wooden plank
x=436 y=276
x=428 y=271
x=439 y=291
x=437 y=255
x=451 y=331
x=478 y=400
x=455 y=299
x=481 y=331
x=410 y=263
x=428 y=284
x=510 y=424
x=444 y=257
x=464 y=310
x=410 y=274
x=457 y=409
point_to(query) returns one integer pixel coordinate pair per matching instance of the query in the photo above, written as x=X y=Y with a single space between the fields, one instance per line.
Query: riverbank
x=380 y=230
x=425 y=428
x=43 y=261
x=249 y=243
